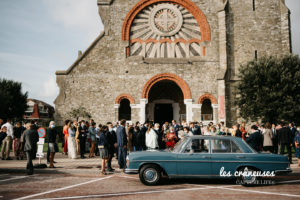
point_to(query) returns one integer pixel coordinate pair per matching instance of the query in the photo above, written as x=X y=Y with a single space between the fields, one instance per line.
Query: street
x=81 y=179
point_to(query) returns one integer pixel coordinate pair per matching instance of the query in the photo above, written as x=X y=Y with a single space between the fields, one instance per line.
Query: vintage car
x=206 y=157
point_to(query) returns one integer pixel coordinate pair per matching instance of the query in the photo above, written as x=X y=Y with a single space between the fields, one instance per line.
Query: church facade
x=171 y=59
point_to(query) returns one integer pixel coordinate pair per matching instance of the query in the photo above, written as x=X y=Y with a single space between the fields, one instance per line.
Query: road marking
x=261 y=192
x=132 y=193
x=294 y=181
x=128 y=177
x=15 y=178
x=64 y=188
x=4 y=175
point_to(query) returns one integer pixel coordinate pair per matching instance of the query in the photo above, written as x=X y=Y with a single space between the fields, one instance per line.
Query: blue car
x=207 y=157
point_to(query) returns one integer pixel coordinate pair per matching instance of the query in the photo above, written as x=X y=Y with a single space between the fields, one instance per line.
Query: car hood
x=151 y=155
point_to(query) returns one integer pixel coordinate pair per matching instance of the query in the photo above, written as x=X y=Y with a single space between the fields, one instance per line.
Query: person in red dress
x=171 y=138
x=66 y=133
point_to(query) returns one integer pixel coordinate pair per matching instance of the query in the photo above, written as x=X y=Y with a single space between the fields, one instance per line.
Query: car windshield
x=179 y=145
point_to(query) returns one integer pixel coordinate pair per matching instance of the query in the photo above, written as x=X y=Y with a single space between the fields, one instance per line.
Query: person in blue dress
x=297 y=144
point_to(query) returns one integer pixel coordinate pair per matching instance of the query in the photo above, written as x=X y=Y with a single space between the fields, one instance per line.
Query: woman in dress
x=151 y=138
x=268 y=144
x=297 y=144
x=102 y=145
x=92 y=138
x=71 y=140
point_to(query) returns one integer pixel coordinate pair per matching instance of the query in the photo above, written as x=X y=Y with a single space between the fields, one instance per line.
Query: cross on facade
x=165 y=19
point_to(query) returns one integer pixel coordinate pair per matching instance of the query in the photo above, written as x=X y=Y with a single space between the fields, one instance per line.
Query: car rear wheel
x=150 y=175
x=246 y=179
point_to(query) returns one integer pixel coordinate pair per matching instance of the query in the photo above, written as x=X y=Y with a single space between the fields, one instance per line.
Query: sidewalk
x=76 y=166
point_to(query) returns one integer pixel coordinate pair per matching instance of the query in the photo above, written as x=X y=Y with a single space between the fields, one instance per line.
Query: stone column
x=215 y=113
x=189 y=110
x=176 y=110
x=116 y=107
x=143 y=103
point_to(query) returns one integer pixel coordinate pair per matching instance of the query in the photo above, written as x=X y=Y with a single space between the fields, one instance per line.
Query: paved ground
x=81 y=179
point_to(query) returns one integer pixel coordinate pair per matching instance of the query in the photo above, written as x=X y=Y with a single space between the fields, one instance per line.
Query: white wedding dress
x=72 y=145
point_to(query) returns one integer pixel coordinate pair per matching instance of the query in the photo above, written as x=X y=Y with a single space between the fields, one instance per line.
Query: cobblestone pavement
x=81 y=179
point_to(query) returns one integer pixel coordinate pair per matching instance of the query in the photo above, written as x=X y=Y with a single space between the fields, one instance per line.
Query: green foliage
x=13 y=103
x=76 y=113
x=269 y=89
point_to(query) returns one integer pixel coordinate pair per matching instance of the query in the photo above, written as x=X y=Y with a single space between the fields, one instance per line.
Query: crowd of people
x=119 y=139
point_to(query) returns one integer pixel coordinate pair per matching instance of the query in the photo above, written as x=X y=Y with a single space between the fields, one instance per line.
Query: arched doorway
x=165 y=102
x=207 y=111
x=125 y=110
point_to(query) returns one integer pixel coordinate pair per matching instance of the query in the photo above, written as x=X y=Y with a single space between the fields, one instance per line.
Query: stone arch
x=124 y=96
x=188 y=4
x=167 y=76
x=207 y=96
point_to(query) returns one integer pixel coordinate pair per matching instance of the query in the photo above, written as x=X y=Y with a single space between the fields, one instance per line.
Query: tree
x=269 y=89
x=13 y=103
x=79 y=112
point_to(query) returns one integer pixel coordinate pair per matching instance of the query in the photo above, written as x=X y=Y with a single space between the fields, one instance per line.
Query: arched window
x=206 y=110
x=125 y=110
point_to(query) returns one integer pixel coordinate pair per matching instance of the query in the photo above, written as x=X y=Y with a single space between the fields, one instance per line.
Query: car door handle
x=240 y=156
x=206 y=157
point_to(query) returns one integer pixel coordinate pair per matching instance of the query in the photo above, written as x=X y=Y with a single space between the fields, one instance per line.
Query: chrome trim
x=131 y=171
x=287 y=170
x=209 y=160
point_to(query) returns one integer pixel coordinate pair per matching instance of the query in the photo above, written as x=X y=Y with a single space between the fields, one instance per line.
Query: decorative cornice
x=207 y=96
x=189 y=5
x=124 y=96
x=167 y=76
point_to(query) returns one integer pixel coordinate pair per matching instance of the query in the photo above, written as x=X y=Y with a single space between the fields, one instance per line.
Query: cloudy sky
x=39 y=37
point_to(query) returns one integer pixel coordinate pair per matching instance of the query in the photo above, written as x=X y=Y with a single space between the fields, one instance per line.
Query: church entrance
x=165 y=102
x=163 y=113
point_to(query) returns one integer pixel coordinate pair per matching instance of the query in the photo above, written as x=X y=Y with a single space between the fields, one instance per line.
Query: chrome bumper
x=131 y=171
x=286 y=171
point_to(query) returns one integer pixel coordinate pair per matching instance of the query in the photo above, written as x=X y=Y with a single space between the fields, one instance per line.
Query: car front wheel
x=246 y=179
x=150 y=175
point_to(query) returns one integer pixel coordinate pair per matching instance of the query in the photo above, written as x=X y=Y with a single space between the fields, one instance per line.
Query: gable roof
x=66 y=72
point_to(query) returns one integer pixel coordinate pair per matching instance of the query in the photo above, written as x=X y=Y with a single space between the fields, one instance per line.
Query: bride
x=71 y=140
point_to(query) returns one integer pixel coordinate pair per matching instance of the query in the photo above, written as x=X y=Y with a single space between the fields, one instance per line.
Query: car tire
x=247 y=180
x=150 y=175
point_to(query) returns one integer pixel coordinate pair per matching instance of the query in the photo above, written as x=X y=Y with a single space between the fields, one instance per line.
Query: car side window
x=197 y=146
x=224 y=146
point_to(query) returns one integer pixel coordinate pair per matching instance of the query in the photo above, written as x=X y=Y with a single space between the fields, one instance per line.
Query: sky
x=39 y=37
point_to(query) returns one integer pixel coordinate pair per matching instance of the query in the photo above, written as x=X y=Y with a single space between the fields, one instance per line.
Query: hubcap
x=150 y=175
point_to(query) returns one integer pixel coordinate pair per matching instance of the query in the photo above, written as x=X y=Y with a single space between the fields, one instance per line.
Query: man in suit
x=30 y=137
x=122 y=144
x=196 y=130
x=254 y=139
x=82 y=138
x=274 y=139
x=176 y=127
x=112 y=143
x=285 y=139
x=142 y=136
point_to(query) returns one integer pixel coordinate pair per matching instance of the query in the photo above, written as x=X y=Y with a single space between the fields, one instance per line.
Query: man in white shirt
x=6 y=144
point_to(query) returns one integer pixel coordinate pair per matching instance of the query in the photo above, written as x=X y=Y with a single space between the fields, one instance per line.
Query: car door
x=226 y=156
x=195 y=160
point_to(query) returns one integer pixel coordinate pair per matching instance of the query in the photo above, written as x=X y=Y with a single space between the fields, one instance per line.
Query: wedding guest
x=30 y=138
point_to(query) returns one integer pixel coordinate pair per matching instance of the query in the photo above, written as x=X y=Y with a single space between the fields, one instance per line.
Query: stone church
x=171 y=59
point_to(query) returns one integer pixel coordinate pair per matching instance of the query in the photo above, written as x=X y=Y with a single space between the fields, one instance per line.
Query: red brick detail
x=208 y=96
x=180 y=40
x=124 y=96
x=204 y=51
x=35 y=113
x=195 y=40
x=167 y=76
x=188 y=4
x=136 y=40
